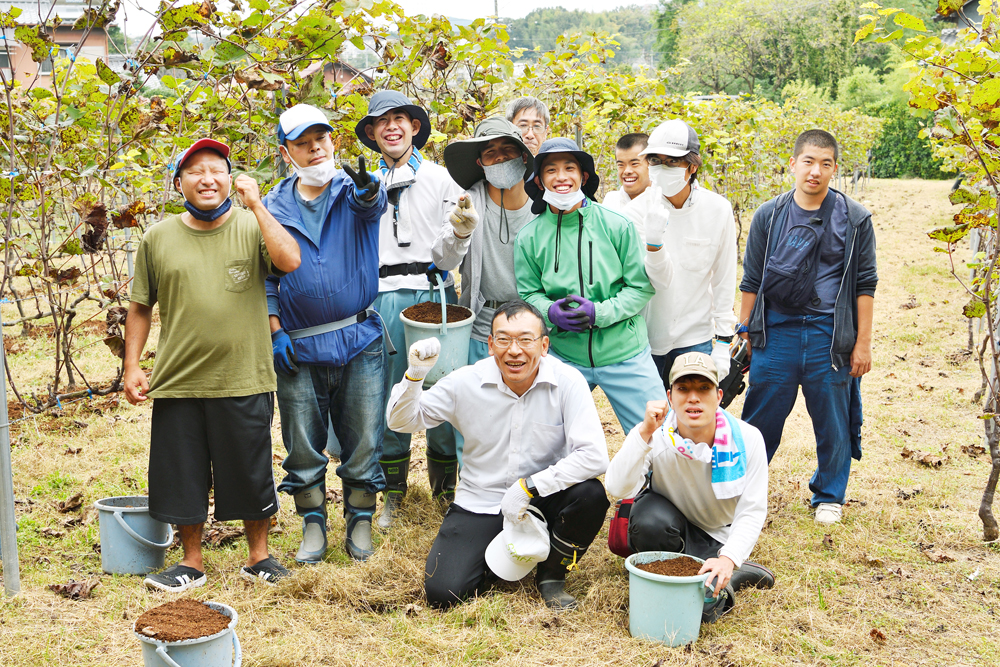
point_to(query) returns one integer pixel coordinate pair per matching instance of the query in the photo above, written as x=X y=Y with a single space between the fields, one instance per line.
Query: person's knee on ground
x=655 y=525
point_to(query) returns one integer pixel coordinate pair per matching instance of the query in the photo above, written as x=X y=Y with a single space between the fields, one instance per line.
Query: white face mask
x=670 y=179
x=564 y=201
x=505 y=175
x=316 y=175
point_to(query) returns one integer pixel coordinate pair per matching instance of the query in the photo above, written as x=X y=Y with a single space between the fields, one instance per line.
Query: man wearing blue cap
x=422 y=200
x=213 y=380
x=326 y=335
x=580 y=264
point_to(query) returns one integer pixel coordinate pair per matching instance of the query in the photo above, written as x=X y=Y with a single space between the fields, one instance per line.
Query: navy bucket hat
x=561 y=145
x=385 y=101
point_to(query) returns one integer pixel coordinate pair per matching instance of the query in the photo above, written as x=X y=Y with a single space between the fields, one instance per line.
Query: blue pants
x=440 y=439
x=798 y=354
x=478 y=351
x=628 y=385
x=664 y=362
x=348 y=399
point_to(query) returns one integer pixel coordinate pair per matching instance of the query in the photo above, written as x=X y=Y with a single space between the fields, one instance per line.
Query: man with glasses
x=532 y=119
x=532 y=437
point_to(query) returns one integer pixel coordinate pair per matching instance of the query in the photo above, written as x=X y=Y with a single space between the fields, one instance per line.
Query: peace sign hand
x=366 y=184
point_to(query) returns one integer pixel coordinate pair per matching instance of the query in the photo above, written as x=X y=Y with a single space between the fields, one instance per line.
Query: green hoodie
x=592 y=252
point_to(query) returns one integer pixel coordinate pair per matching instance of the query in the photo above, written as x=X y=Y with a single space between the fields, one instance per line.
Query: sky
x=138 y=21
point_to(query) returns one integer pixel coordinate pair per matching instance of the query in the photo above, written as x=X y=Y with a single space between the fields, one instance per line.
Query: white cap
x=674 y=138
x=520 y=545
x=293 y=122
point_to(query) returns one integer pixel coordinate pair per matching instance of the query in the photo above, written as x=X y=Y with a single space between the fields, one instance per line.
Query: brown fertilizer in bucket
x=180 y=620
x=429 y=312
x=682 y=566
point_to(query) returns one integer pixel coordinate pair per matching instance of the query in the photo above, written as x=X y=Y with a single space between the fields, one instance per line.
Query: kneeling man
x=532 y=437
x=704 y=500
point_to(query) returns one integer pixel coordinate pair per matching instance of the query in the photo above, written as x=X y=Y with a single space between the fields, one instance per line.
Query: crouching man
x=531 y=437
x=707 y=496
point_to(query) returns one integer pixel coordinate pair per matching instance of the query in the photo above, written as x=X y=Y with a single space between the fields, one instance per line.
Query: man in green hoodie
x=579 y=263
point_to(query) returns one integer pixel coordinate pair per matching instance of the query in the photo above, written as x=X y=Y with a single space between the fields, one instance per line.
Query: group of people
x=634 y=295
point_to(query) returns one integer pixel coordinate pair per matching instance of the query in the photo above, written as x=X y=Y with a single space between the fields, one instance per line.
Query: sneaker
x=176 y=579
x=268 y=570
x=828 y=513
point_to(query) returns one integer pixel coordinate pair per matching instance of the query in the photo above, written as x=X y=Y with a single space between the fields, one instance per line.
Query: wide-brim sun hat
x=561 y=145
x=461 y=157
x=385 y=101
x=217 y=146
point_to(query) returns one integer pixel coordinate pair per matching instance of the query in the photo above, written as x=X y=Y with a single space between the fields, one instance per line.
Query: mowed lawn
x=868 y=591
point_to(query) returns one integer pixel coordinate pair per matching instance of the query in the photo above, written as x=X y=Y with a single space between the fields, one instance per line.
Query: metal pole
x=8 y=523
x=128 y=251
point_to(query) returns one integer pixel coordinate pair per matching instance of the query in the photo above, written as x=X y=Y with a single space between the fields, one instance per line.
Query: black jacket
x=860 y=274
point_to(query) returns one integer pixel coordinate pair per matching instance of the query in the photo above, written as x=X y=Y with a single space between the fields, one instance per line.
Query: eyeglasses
x=502 y=342
x=656 y=161
x=536 y=128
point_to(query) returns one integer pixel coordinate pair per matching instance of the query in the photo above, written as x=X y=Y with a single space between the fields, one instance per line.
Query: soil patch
x=682 y=566
x=180 y=620
x=429 y=312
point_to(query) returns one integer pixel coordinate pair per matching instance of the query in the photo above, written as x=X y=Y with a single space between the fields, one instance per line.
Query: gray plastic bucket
x=219 y=650
x=132 y=542
x=664 y=609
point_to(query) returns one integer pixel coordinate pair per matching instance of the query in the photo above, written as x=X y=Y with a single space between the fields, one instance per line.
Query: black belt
x=494 y=305
x=411 y=269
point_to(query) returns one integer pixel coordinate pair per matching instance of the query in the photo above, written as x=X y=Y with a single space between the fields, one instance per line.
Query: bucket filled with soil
x=452 y=326
x=189 y=633
x=666 y=596
x=132 y=542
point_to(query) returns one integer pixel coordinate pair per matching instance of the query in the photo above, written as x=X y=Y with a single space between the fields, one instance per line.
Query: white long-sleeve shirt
x=687 y=483
x=427 y=203
x=659 y=268
x=552 y=433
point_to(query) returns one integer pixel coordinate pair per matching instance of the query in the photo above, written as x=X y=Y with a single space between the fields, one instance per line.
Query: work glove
x=565 y=315
x=722 y=358
x=284 y=353
x=463 y=217
x=657 y=218
x=423 y=355
x=514 y=504
x=366 y=183
x=435 y=276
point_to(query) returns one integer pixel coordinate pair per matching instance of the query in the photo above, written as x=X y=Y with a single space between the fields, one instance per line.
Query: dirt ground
x=904 y=580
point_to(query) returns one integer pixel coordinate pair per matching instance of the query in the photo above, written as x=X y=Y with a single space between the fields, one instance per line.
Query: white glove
x=515 y=502
x=722 y=358
x=463 y=217
x=423 y=355
x=657 y=217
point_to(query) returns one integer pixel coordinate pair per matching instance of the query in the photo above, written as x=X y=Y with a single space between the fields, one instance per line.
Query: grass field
x=865 y=592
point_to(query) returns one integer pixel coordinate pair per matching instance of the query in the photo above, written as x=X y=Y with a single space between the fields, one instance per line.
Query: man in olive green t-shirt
x=213 y=380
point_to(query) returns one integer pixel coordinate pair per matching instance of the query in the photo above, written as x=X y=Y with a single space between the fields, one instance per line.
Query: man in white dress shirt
x=532 y=436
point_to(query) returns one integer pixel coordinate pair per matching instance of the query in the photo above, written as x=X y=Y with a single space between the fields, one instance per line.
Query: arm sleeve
x=753 y=257
x=867 y=265
x=751 y=508
x=630 y=465
x=272 y=286
x=529 y=277
x=659 y=267
x=588 y=450
x=724 y=279
x=412 y=409
x=144 y=277
x=448 y=250
x=637 y=290
x=265 y=256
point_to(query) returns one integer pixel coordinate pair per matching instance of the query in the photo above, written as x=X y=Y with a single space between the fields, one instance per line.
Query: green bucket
x=664 y=609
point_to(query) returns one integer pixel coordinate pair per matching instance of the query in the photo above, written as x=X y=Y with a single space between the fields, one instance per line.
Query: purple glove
x=565 y=315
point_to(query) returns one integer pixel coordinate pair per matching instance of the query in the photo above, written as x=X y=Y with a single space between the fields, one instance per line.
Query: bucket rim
x=649 y=556
x=224 y=609
x=141 y=506
x=427 y=325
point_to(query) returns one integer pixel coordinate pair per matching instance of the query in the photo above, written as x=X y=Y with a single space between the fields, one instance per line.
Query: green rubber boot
x=396 y=473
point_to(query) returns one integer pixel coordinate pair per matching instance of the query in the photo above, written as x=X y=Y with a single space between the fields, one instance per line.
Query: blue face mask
x=208 y=216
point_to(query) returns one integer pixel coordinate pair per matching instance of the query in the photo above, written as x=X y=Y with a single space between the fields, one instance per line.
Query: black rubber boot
x=751 y=575
x=713 y=611
x=442 y=473
x=310 y=504
x=359 y=509
x=551 y=575
x=396 y=472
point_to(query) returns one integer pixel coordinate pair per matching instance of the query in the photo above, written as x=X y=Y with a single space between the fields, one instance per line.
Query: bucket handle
x=237 y=654
x=444 y=304
x=142 y=540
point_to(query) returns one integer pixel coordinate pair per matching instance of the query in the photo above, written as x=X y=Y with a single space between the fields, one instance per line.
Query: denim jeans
x=664 y=362
x=797 y=354
x=440 y=439
x=348 y=399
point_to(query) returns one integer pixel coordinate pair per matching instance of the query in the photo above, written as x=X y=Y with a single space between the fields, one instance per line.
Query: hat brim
x=589 y=188
x=500 y=563
x=461 y=159
x=199 y=145
x=416 y=113
x=301 y=129
x=663 y=150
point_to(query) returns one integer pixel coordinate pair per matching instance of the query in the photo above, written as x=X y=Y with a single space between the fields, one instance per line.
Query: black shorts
x=192 y=438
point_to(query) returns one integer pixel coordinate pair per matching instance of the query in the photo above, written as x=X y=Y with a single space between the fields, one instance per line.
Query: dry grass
x=871 y=574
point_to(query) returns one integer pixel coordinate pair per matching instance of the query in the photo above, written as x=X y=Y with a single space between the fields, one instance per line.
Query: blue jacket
x=860 y=273
x=337 y=279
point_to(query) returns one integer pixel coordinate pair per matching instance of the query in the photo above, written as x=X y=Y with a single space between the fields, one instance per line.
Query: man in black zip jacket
x=824 y=346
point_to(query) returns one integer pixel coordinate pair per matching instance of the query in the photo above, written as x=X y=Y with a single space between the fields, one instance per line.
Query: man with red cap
x=213 y=381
